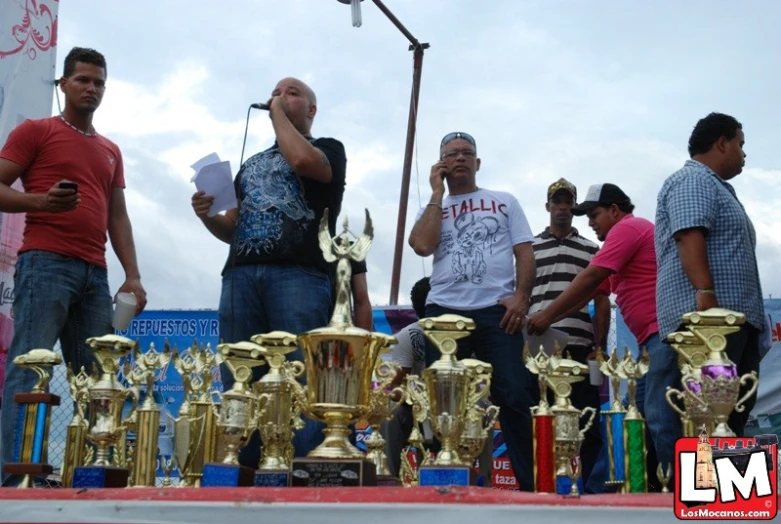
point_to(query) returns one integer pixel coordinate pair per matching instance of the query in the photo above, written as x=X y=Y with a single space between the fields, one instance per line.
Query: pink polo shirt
x=629 y=252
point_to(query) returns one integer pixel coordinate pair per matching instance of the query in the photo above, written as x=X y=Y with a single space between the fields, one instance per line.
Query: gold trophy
x=283 y=412
x=75 y=440
x=480 y=421
x=417 y=397
x=107 y=398
x=634 y=425
x=144 y=371
x=240 y=411
x=31 y=441
x=452 y=391
x=385 y=399
x=195 y=430
x=614 y=421
x=567 y=435
x=695 y=414
x=340 y=361
x=719 y=380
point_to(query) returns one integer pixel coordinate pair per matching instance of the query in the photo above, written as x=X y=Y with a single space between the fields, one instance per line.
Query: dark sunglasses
x=452 y=136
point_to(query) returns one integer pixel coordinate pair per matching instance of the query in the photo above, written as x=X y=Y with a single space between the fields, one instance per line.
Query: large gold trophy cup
x=340 y=363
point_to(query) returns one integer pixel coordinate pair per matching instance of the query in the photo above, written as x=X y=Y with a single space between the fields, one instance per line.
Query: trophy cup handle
x=491 y=414
x=297 y=368
x=593 y=412
x=396 y=393
x=136 y=394
x=740 y=404
x=480 y=387
x=674 y=393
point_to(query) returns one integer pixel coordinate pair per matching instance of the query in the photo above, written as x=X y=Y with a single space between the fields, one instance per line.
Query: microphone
x=257 y=105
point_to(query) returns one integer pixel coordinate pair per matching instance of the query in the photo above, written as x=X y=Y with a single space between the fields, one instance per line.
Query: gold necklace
x=91 y=135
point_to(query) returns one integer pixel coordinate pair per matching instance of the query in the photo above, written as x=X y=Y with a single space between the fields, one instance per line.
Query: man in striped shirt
x=561 y=253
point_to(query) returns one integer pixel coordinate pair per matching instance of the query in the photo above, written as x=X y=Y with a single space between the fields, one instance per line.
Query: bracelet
x=434 y=204
x=709 y=291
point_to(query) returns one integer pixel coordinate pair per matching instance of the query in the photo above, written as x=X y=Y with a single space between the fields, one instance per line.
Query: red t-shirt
x=49 y=150
x=629 y=252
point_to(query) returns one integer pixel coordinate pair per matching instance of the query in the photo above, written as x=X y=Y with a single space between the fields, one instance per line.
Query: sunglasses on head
x=452 y=136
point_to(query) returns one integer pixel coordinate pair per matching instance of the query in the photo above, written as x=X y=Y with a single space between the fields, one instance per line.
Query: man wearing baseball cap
x=561 y=253
x=626 y=266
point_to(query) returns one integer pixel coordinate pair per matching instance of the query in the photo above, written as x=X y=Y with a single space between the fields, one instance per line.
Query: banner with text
x=28 y=37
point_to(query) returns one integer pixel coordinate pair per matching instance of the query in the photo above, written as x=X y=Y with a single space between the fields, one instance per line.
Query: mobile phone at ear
x=445 y=174
x=68 y=185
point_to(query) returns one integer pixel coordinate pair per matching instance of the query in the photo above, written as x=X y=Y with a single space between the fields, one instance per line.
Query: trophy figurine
x=75 y=440
x=144 y=371
x=417 y=397
x=106 y=400
x=195 y=430
x=240 y=411
x=542 y=419
x=614 y=420
x=286 y=399
x=34 y=409
x=719 y=379
x=385 y=399
x=340 y=361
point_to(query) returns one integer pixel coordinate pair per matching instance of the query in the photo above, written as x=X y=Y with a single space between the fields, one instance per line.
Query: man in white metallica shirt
x=483 y=269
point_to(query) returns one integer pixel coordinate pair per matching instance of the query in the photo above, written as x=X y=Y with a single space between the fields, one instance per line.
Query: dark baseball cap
x=562 y=184
x=601 y=195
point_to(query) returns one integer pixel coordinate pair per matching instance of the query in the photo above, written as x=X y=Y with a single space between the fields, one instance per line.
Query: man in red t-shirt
x=626 y=266
x=74 y=199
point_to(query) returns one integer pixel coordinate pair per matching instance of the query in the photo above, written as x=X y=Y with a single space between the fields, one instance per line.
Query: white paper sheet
x=215 y=178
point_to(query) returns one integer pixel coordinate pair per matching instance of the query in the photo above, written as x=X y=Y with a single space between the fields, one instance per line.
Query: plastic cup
x=595 y=375
x=124 y=311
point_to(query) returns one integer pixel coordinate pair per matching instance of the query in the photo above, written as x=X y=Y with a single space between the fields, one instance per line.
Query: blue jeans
x=664 y=424
x=261 y=298
x=55 y=297
x=513 y=387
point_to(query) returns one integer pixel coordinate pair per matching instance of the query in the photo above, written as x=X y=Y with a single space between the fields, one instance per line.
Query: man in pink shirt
x=626 y=266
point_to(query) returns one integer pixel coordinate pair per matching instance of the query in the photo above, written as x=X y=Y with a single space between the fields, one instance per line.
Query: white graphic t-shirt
x=474 y=264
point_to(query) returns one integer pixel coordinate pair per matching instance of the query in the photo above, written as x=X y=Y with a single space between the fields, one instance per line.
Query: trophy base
x=446 y=476
x=272 y=479
x=388 y=481
x=564 y=485
x=227 y=476
x=338 y=473
x=100 y=477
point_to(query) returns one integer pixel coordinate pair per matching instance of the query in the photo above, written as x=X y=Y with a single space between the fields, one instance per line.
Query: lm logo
x=726 y=478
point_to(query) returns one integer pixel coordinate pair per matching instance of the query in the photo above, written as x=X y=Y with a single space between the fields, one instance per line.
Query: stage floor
x=451 y=505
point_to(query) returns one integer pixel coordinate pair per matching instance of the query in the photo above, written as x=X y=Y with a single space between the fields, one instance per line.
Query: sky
x=593 y=91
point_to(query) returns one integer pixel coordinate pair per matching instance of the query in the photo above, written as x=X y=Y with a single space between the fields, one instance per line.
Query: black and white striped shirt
x=558 y=263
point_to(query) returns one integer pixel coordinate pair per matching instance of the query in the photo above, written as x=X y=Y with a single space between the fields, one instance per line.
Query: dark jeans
x=55 y=297
x=513 y=387
x=396 y=432
x=262 y=298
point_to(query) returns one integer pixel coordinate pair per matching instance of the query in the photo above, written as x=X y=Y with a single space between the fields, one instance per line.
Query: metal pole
x=417 y=48
x=401 y=223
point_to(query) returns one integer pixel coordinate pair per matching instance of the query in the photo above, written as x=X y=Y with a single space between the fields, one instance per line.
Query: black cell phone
x=69 y=185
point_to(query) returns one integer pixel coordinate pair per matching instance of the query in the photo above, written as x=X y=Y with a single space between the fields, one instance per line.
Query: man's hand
x=58 y=200
x=706 y=300
x=513 y=318
x=201 y=203
x=133 y=285
x=538 y=323
x=437 y=178
x=278 y=103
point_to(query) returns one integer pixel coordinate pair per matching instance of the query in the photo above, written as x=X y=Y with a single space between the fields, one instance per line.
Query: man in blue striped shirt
x=706 y=247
